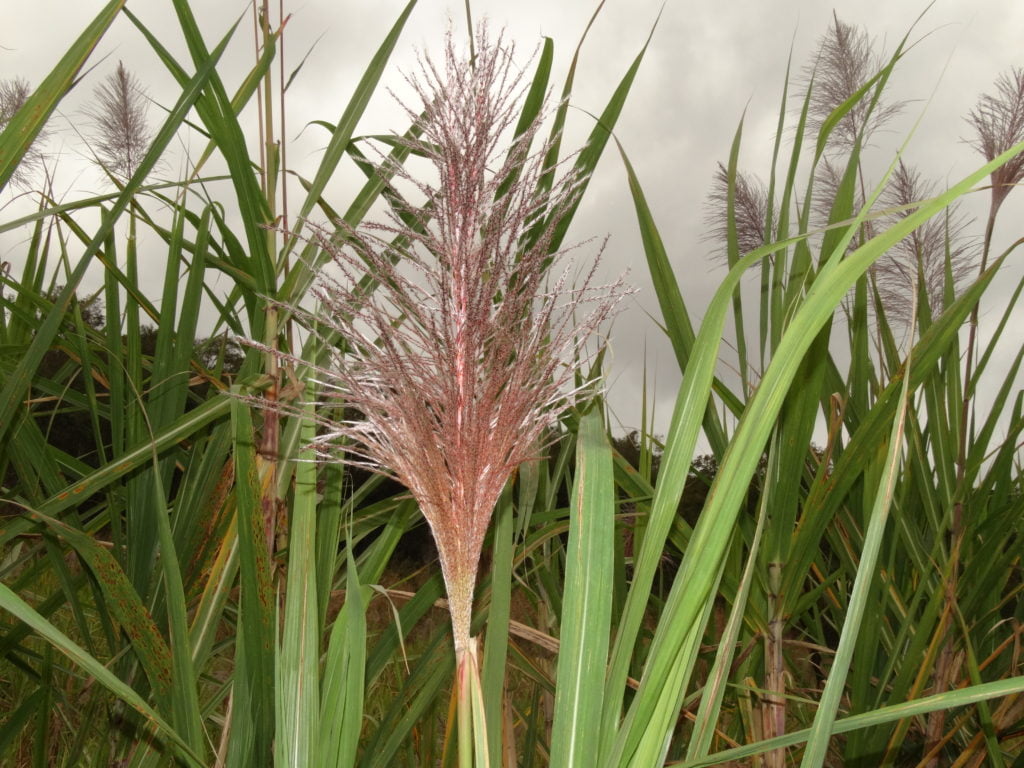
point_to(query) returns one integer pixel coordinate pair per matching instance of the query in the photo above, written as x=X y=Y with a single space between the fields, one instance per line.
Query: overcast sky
x=707 y=62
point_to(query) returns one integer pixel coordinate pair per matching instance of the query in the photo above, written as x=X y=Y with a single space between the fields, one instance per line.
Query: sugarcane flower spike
x=998 y=122
x=458 y=357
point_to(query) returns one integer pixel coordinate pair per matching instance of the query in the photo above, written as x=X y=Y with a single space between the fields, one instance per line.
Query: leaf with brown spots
x=122 y=601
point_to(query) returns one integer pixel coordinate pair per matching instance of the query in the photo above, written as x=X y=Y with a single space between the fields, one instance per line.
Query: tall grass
x=182 y=584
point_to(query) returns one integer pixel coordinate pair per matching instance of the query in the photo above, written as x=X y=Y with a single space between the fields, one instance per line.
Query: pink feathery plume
x=461 y=355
